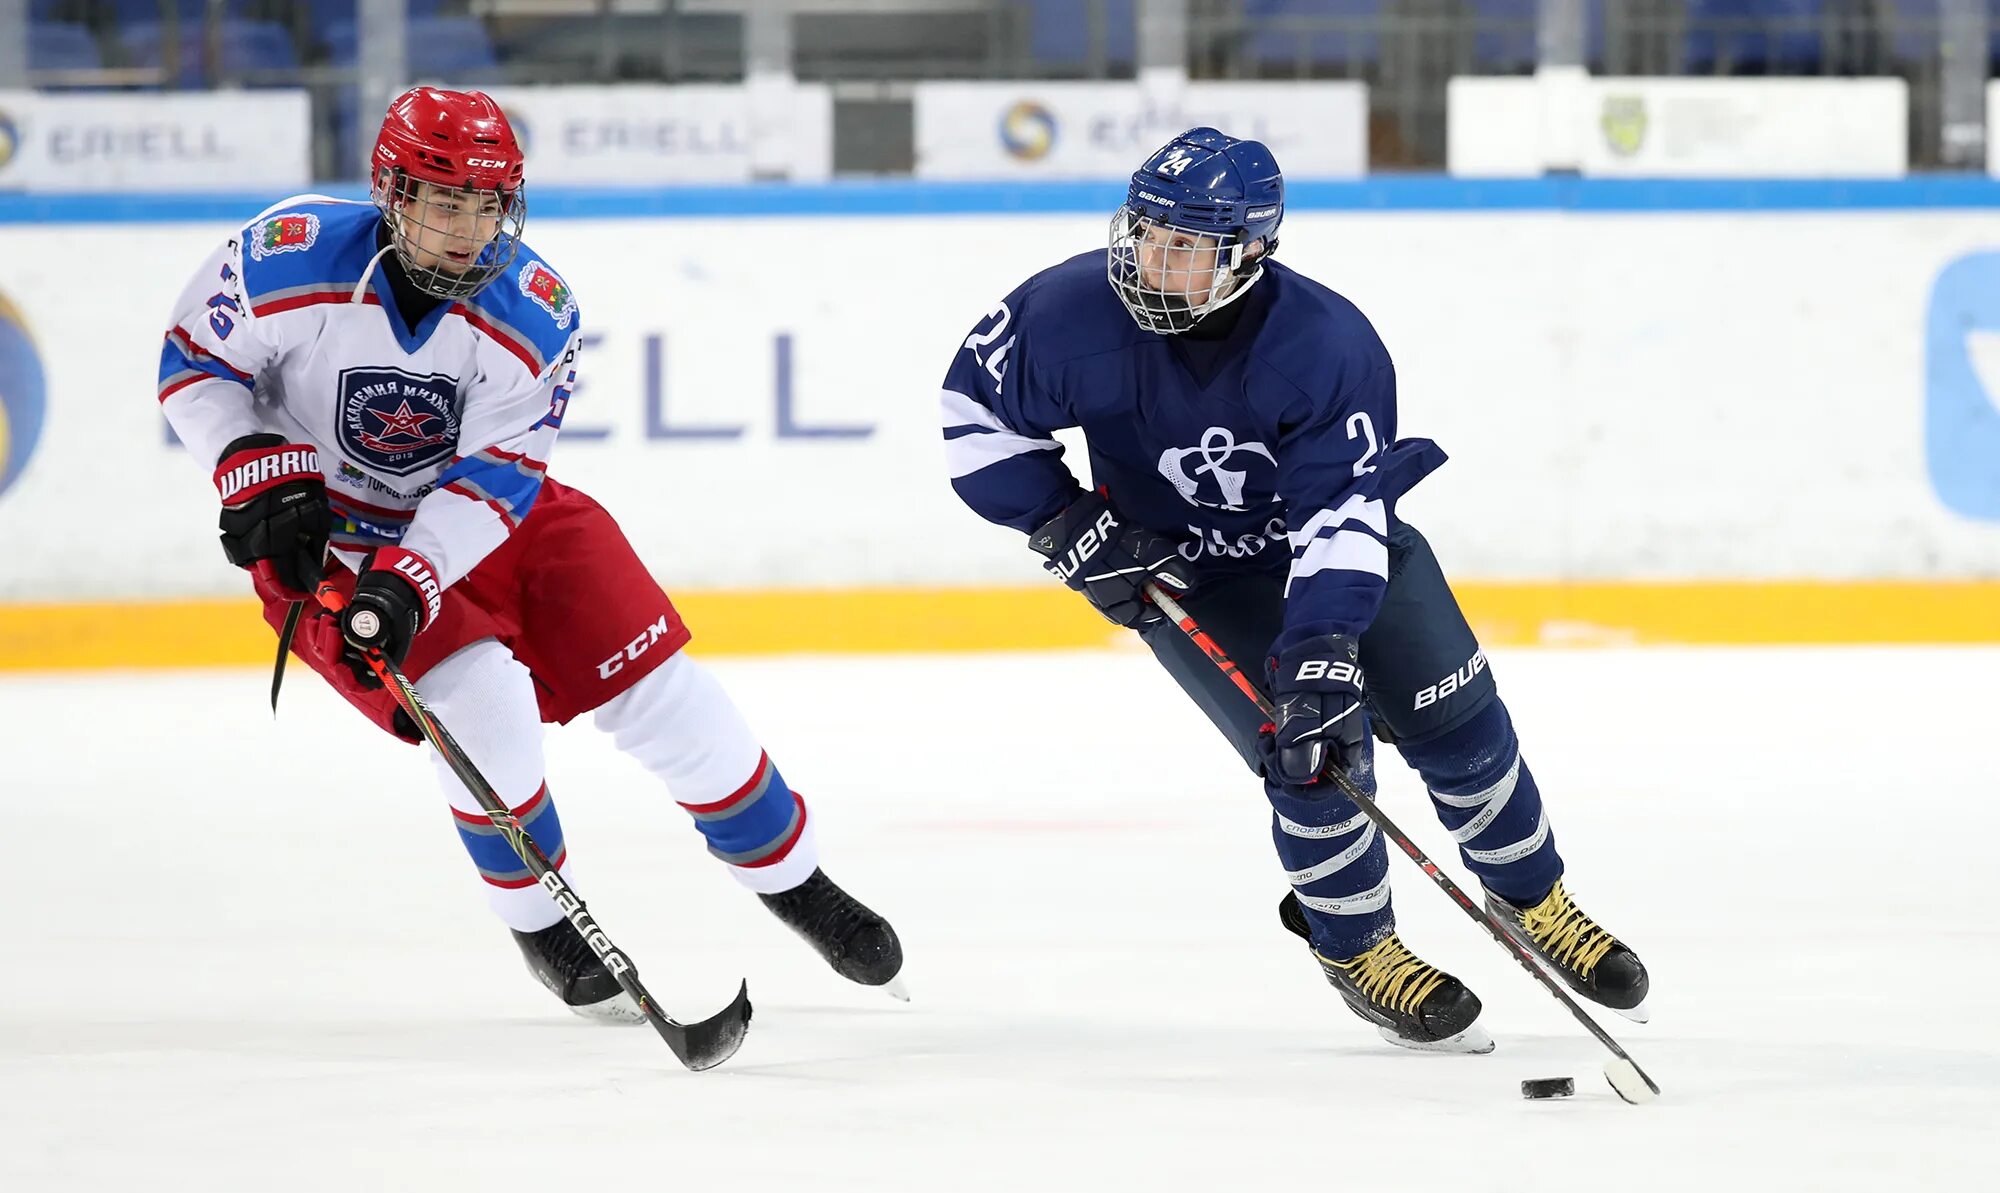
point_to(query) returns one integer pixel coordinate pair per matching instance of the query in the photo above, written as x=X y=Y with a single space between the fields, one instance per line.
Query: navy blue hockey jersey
x=1271 y=449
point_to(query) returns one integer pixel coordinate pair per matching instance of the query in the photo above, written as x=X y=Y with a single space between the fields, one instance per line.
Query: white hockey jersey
x=435 y=436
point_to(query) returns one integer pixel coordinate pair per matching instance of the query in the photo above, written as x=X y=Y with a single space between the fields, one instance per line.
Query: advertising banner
x=172 y=141
x=1679 y=128
x=1104 y=130
x=638 y=134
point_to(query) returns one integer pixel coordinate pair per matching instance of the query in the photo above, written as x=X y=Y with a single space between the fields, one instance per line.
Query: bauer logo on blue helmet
x=23 y=390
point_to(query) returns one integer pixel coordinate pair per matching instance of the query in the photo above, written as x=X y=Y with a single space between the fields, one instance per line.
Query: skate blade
x=618 y=1009
x=895 y=989
x=1638 y=1014
x=1473 y=1041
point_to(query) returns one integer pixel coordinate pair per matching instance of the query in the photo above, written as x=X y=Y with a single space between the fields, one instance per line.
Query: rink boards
x=1684 y=412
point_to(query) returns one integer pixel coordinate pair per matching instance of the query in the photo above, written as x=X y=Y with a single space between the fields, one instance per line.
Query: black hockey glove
x=1316 y=686
x=1109 y=560
x=274 y=513
x=395 y=598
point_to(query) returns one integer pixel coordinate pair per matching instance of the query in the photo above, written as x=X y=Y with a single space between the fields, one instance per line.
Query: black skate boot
x=1571 y=946
x=1411 y=1003
x=860 y=945
x=560 y=960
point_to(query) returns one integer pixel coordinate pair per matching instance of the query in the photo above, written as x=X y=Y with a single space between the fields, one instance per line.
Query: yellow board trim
x=229 y=633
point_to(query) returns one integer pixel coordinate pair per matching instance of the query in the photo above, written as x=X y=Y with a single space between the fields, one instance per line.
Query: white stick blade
x=1629 y=1083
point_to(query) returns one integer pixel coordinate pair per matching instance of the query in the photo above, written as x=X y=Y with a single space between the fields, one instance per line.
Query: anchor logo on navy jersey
x=1218 y=449
x=398 y=422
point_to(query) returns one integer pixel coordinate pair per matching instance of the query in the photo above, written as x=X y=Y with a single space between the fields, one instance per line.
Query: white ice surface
x=246 y=954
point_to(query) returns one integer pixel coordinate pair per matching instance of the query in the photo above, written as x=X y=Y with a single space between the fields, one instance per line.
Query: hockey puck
x=1547 y=1087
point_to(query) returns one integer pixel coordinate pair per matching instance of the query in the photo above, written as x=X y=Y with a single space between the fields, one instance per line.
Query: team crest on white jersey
x=1213 y=475
x=398 y=422
x=541 y=286
x=283 y=234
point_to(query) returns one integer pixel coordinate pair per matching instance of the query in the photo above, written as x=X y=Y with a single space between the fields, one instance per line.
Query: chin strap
x=1241 y=287
x=361 y=287
x=1243 y=272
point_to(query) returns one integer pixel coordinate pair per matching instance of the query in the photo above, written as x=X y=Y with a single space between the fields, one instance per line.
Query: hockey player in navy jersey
x=387 y=379
x=1241 y=422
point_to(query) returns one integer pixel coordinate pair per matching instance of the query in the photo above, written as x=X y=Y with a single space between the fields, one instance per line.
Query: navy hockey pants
x=1430 y=693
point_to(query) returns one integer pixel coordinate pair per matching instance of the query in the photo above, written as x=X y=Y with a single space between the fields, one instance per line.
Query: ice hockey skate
x=859 y=944
x=1573 y=947
x=561 y=960
x=1412 y=1004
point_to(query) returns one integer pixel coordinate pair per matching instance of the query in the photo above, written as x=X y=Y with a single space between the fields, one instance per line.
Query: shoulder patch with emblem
x=540 y=285
x=283 y=234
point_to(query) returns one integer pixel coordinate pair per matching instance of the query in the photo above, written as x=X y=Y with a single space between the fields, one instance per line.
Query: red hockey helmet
x=447 y=176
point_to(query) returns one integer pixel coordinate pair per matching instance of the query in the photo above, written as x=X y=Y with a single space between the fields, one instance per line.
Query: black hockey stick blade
x=715 y=1039
x=284 y=648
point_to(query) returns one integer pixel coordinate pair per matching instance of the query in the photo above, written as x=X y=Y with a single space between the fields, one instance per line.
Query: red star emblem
x=404 y=421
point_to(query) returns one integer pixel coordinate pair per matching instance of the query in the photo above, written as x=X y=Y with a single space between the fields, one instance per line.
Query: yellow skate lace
x=1565 y=933
x=1390 y=975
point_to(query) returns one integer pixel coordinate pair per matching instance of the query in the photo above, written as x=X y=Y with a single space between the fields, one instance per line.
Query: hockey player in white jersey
x=387 y=379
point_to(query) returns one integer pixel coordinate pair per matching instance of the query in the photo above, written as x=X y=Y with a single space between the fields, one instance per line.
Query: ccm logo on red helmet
x=487 y=163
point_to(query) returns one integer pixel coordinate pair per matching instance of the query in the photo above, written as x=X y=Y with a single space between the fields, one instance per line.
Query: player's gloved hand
x=395 y=598
x=275 y=518
x=1109 y=560
x=1316 y=686
x=319 y=638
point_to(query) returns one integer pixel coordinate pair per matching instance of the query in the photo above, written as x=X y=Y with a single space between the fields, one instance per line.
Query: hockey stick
x=290 y=628
x=701 y=1045
x=1627 y=1079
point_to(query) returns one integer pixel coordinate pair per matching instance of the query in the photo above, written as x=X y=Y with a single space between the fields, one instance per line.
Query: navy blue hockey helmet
x=1177 y=244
